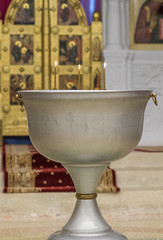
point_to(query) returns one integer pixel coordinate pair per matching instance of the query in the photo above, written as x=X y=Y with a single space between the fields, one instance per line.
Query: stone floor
x=136 y=211
x=34 y=216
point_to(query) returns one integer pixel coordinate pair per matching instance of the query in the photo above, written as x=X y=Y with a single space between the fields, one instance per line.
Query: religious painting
x=70 y=50
x=146 y=29
x=96 y=49
x=70 y=82
x=25 y=13
x=97 y=79
x=21 y=49
x=20 y=82
x=66 y=13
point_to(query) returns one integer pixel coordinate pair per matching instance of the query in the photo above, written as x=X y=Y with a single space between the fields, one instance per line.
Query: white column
x=124 y=23
x=115 y=51
x=113 y=24
x=104 y=14
x=130 y=69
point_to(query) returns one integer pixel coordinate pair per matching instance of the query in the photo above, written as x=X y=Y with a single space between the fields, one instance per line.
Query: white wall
x=132 y=69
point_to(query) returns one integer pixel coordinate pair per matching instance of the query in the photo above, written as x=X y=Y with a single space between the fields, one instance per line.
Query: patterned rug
x=25 y=170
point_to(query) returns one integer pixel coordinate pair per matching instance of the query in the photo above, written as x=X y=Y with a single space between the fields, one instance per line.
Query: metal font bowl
x=85 y=126
x=85 y=131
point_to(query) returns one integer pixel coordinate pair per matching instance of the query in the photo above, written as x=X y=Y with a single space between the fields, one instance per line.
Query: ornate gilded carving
x=19 y=181
x=6 y=69
x=5 y=89
x=54 y=49
x=70 y=69
x=39 y=9
x=15 y=5
x=70 y=82
x=33 y=40
x=5 y=29
x=38 y=49
x=64 y=14
x=5 y=49
x=37 y=30
x=16 y=123
x=106 y=183
x=70 y=30
x=6 y=108
x=86 y=29
x=21 y=69
x=21 y=29
x=87 y=49
x=55 y=30
x=37 y=69
x=53 y=9
x=86 y=69
x=97 y=49
x=20 y=12
x=96 y=16
x=25 y=13
x=97 y=79
x=79 y=12
x=19 y=82
x=53 y=70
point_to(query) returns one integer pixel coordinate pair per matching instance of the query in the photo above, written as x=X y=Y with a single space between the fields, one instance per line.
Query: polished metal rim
x=84 y=91
x=86 y=196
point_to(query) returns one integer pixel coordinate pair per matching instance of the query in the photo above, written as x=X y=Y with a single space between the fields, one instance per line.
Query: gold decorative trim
x=6 y=69
x=5 y=29
x=86 y=196
x=106 y=183
x=12 y=10
x=80 y=13
x=45 y=33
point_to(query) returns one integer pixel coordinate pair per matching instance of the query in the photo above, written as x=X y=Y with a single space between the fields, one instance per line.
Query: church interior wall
x=139 y=175
x=132 y=69
x=133 y=66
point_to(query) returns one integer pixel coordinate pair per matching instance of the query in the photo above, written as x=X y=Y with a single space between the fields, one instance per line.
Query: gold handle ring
x=153 y=96
x=18 y=97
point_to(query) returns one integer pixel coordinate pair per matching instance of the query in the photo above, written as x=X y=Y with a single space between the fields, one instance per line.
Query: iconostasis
x=46 y=45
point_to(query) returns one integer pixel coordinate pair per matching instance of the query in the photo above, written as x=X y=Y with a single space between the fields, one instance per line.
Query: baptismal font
x=85 y=130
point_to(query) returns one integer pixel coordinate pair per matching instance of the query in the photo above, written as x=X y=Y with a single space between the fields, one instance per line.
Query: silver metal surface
x=85 y=131
x=87 y=222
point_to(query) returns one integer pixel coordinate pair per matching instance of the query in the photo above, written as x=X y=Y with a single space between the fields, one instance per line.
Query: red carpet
x=25 y=170
x=149 y=149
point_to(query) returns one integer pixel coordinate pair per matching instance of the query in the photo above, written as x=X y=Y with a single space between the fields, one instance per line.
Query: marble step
x=140 y=171
x=137 y=171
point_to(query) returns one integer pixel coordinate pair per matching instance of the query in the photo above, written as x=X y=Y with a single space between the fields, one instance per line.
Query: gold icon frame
x=45 y=33
x=134 y=8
